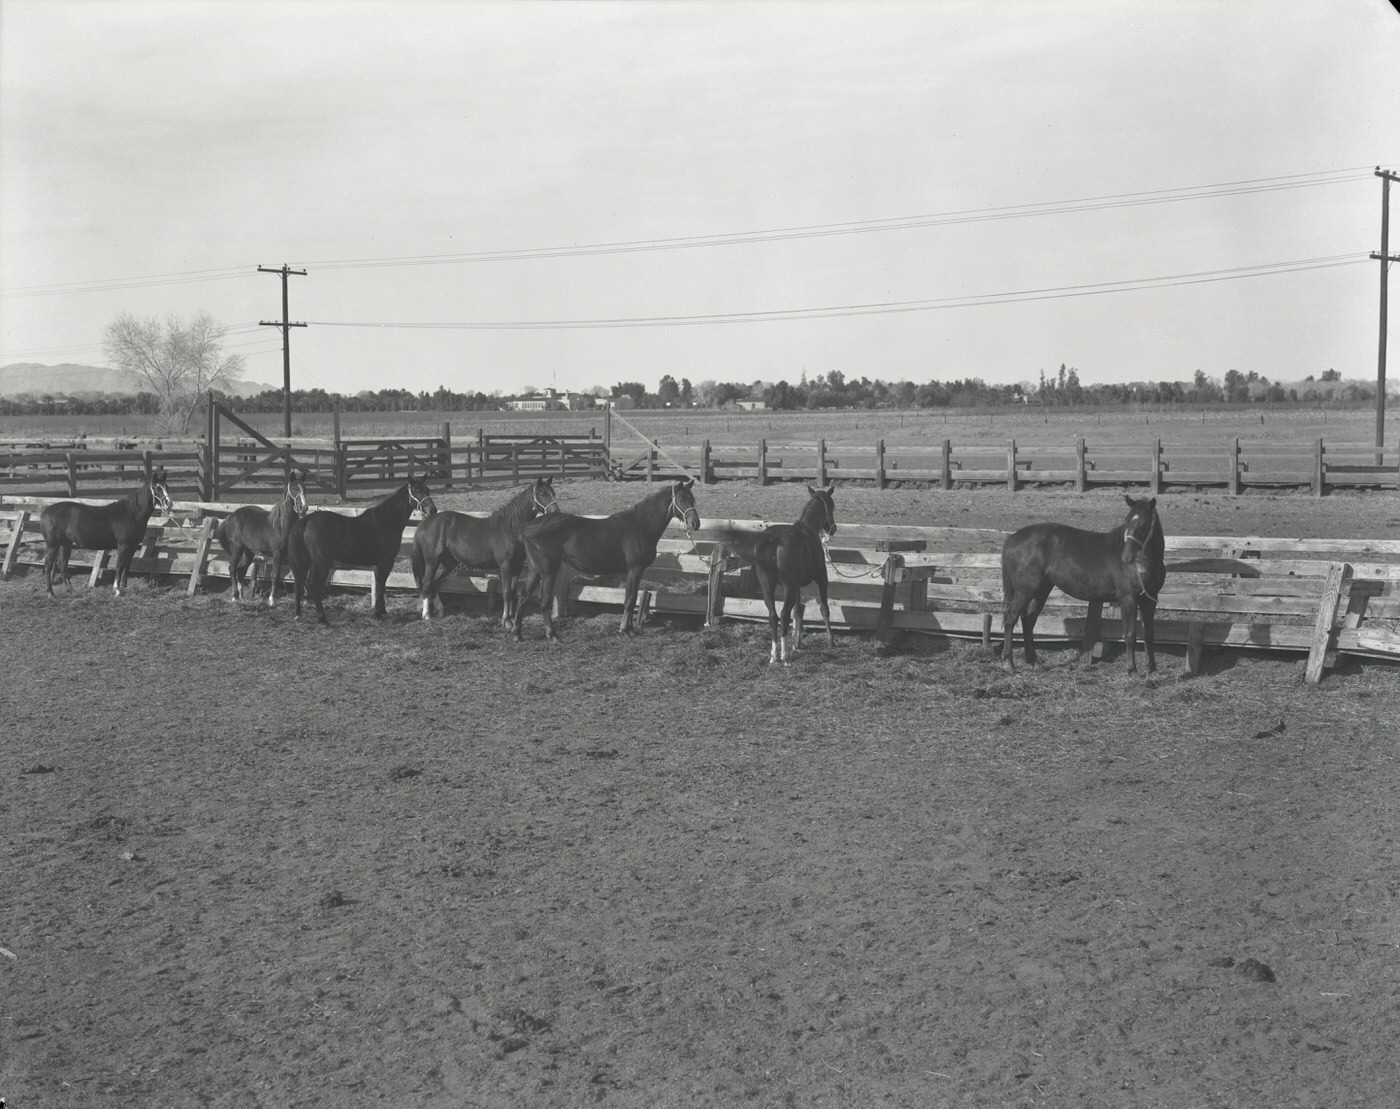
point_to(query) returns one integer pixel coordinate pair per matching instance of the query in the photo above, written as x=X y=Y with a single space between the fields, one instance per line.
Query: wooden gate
x=254 y=464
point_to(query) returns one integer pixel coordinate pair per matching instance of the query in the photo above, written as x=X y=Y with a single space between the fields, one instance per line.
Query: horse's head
x=542 y=498
x=1140 y=527
x=420 y=497
x=820 y=513
x=296 y=494
x=160 y=495
x=683 y=503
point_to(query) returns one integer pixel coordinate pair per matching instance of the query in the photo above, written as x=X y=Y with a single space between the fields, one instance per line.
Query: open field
x=254 y=861
x=1056 y=429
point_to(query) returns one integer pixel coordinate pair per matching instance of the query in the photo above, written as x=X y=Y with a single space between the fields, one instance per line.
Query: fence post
x=13 y=548
x=339 y=461
x=515 y=461
x=72 y=474
x=706 y=477
x=651 y=461
x=763 y=462
x=1233 y=483
x=1156 y=479
x=1335 y=588
x=480 y=455
x=1081 y=481
x=211 y=477
x=1011 y=467
x=714 y=604
x=879 y=464
x=821 y=462
x=1319 y=472
x=447 y=451
x=946 y=478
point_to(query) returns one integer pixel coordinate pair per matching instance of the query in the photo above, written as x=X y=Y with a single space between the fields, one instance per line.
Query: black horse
x=792 y=554
x=252 y=534
x=324 y=540
x=118 y=526
x=493 y=543
x=1126 y=565
x=623 y=543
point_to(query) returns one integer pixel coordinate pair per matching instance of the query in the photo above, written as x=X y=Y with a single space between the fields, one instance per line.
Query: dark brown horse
x=324 y=540
x=1126 y=566
x=793 y=555
x=251 y=534
x=493 y=543
x=118 y=526
x=623 y=543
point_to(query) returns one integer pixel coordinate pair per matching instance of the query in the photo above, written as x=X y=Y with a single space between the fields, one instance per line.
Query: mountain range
x=71 y=380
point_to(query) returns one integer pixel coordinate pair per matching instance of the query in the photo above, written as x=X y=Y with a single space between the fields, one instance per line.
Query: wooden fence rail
x=1318 y=597
x=1235 y=467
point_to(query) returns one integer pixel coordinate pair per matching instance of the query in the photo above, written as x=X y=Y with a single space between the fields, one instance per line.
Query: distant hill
x=70 y=380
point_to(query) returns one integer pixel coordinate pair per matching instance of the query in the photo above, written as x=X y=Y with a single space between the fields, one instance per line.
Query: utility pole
x=286 y=325
x=1385 y=258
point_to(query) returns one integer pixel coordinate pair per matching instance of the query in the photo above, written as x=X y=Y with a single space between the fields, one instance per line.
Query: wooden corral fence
x=1235 y=466
x=1318 y=597
x=82 y=469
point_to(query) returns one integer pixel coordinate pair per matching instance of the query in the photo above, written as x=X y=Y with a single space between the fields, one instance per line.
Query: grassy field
x=1178 y=428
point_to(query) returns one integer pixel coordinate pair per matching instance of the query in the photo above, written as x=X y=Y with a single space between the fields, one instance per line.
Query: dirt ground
x=254 y=862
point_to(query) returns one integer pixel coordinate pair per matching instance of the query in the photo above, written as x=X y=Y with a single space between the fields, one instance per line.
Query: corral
x=255 y=860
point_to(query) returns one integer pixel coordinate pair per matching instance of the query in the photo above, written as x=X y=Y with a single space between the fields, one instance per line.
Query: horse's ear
x=1131 y=503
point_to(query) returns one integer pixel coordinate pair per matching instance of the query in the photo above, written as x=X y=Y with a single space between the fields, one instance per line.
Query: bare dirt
x=254 y=862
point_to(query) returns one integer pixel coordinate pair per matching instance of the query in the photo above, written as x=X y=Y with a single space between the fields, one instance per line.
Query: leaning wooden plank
x=1326 y=621
x=201 y=552
x=16 y=536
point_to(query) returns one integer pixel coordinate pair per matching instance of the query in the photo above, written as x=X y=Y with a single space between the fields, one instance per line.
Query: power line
x=887 y=307
x=857 y=227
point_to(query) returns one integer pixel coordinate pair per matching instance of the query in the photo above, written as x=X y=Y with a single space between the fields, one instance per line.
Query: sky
x=505 y=195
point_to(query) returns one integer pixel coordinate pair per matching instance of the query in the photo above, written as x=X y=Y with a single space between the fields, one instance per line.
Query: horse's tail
x=221 y=534
x=418 y=559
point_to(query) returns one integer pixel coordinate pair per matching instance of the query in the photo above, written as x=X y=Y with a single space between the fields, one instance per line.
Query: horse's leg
x=235 y=567
x=66 y=547
x=533 y=580
x=276 y=577
x=791 y=597
x=766 y=584
x=1028 y=619
x=381 y=579
x=125 y=553
x=1149 y=615
x=629 y=601
x=50 y=565
x=825 y=607
x=1013 y=609
x=549 y=579
x=1128 y=607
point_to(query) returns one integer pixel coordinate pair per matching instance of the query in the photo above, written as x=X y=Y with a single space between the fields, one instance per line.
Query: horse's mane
x=548 y=525
x=516 y=511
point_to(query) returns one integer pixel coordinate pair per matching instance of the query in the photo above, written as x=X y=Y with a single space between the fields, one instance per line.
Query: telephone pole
x=1385 y=258
x=286 y=325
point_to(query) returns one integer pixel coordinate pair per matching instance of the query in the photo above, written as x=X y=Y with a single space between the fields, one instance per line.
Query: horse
x=252 y=533
x=452 y=539
x=1126 y=565
x=324 y=540
x=118 y=526
x=623 y=543
x=792 y=554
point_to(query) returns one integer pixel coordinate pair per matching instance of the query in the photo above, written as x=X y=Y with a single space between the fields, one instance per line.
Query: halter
x=297 y=499
x=545 y=509
x=417 y=501
x=160 y=497
x=1142 y=543
x=682 y=514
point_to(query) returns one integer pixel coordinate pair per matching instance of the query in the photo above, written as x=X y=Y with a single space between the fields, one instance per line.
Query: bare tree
x=174 y=361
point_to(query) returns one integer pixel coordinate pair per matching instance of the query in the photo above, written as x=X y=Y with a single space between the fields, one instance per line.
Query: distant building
x=750 y=405
x=548 y=400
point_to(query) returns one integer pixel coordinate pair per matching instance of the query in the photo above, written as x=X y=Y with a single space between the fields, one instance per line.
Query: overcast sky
x=455 y=166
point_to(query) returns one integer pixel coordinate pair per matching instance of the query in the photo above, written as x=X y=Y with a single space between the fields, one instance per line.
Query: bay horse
x=252 y=533
x=623 y=543
x=792 y=554
x=324 y=540
x=119 y=526
x=1126 y=566
x=493 y=543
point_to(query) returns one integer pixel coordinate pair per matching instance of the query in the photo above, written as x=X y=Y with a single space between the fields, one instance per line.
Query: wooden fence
x=1235 y=466
x=1318 y=597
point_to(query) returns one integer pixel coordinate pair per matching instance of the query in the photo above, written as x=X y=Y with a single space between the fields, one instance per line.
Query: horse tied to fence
x=118 y=526
x=1126 y=565
x=623 y=543
x=324 y=540
x=794 y=555
x=252 y=534
x=493 y=543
